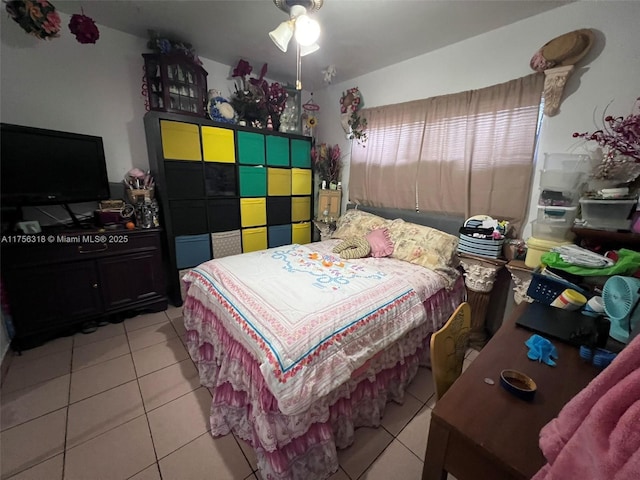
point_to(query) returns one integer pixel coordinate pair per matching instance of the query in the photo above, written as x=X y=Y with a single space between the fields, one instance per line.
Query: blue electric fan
x=621 y=297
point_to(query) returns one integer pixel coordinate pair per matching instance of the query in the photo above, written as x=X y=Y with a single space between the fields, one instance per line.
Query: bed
x=299 y=347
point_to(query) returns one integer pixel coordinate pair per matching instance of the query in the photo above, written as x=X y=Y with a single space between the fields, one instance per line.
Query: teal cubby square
x=277 y=151
x=253 y=181
x=251 y=148
x=300 y=153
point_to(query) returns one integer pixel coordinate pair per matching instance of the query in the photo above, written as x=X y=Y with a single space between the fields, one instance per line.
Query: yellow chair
x=448 y=347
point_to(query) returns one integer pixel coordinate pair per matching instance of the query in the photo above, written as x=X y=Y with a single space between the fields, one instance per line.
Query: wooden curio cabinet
x=176 y=84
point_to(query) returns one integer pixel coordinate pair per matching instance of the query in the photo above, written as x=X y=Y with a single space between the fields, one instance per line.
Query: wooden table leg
x=434 y=468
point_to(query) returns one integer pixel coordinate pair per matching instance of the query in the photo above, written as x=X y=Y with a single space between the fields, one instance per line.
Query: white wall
x=611 y=71
x=92 y=89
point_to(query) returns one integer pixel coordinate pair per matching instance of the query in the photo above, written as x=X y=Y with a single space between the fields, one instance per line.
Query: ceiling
x=358 y=36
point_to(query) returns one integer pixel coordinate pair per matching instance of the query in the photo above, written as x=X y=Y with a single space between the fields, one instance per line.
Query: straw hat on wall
x=567 y=49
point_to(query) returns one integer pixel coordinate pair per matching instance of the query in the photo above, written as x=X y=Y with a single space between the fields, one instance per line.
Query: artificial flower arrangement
x=327 y=161
x=84 y=28
x=620 y=140
x=250 y=97
x=353 y=124
x=36 y=17
x=276 y=102
x=255 y=100
x=165 y=46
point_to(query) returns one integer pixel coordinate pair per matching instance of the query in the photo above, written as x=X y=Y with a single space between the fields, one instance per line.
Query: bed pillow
x=380 y=242
x=356 y=223
x=425 y=246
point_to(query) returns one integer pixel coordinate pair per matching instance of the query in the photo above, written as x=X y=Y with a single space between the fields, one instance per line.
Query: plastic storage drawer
x=279 y=235
x=254 y=239
x=278 y=210
x=301 y=233
x=562 y=181
x=192 y=250
x=253 y=181
x=277 y=151
x=557 y=215
x=300 y=209
x=253 y=212
x=300 y=181
x=278 y=181
x=608 y=214
x=224 y=214
x=225 y=244
x=551 y=231
x=250 y=148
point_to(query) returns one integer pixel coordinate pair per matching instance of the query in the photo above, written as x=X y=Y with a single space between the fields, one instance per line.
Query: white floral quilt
x=309 y=318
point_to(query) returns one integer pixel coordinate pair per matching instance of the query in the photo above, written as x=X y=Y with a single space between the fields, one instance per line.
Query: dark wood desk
x=481 y=431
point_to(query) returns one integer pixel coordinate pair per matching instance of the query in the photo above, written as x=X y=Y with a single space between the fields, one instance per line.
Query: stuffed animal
x=354 y=247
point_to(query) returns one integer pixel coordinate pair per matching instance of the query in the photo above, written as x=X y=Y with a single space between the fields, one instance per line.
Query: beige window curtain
x=465 y=154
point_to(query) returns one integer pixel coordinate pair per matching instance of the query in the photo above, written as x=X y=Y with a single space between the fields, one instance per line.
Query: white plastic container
x=568 y=162
x=558 y=198
x=551 y=231
x=562 y=181
x=557 y=215
x=611 y=214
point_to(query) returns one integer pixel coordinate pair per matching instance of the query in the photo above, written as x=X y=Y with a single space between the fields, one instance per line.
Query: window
x=465 y=154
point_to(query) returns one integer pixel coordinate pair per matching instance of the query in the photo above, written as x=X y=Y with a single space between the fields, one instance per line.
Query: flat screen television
x=47 y=167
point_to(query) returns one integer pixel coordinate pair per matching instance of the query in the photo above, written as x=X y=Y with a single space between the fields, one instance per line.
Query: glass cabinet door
x=175 y=84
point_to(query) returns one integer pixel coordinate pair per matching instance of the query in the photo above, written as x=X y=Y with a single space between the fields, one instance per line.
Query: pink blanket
x=596 y=435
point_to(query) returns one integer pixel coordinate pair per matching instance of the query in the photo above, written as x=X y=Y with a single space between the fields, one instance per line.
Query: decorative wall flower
x=36 y=17
x=84 y=28
x=353 y=124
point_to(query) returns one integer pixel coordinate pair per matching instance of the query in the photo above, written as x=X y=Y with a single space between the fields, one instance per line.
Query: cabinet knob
x=95 y=285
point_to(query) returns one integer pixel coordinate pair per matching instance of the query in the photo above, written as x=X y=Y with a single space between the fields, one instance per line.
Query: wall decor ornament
x=36 y=17
x=165 y=45
x=84 y=28
x=219 y=108
x=353 y=124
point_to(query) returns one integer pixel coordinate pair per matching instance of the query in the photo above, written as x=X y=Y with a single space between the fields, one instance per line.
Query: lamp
x=306 y=50
x=305 y=29
x=282 y=35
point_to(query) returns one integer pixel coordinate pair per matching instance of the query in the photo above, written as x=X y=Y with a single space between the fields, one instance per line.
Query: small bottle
x=324 y=184
x=339 y=185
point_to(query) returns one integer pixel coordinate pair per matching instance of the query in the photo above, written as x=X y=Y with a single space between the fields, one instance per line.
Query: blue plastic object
x=542 y=350
x=600 y=357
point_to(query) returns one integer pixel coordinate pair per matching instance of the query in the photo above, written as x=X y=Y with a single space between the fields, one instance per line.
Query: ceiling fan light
x=307 y=30
x=308 y=49
x=282 y=35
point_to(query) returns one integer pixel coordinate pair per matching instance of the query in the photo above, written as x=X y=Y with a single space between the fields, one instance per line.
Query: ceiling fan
x=305 y=29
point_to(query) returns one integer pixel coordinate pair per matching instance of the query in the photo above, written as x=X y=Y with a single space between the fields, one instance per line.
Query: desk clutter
x=616 y=304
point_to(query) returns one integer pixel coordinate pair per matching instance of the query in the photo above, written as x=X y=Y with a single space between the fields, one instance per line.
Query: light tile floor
x=125 y=402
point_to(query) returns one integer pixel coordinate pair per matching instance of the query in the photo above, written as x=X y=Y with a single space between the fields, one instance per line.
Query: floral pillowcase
x=410 y=242
x=424 y=246
x=356 y=223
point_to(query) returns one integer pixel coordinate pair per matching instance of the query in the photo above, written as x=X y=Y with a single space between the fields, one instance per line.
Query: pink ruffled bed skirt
x=304 y=446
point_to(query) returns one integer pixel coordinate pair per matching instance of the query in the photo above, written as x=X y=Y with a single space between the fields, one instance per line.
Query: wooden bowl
x=518 y=384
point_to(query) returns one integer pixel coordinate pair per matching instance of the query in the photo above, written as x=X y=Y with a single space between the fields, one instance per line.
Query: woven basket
x=139 y=195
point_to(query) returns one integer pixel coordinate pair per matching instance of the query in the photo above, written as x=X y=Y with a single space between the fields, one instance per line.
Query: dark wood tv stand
x=58 y=280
